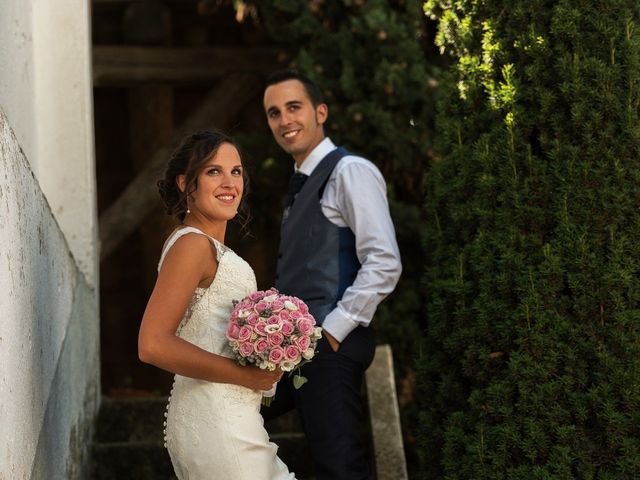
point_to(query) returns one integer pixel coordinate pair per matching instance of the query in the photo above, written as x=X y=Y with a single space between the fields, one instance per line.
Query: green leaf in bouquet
x=298 y=381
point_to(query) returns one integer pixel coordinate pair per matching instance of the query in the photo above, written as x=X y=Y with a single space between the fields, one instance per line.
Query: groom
x=338 y=253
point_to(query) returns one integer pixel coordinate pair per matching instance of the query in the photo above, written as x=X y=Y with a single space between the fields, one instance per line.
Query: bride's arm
x=190 y=261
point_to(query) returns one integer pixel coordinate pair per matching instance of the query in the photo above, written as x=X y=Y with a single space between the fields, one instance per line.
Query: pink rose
x=302 y=342
x=270 y=292
x=305 y=325
x=273 y=320
x=260 y=345
x=259 y=328
x=277 y=305
x=284 y=315
x=276 y=355
x=301 y=305
x=246 y=349
x=245 y=333
x=287 y=328
x=255 y=296
x=296 y=314
x=261 y=306
x=252 y=319
x=276 y=338
x=233 y=331
x=292 y=353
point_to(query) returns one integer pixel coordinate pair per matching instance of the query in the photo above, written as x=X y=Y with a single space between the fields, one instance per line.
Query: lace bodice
x=206 y=319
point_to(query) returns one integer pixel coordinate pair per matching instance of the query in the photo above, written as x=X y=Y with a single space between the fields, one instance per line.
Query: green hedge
x=531 y=365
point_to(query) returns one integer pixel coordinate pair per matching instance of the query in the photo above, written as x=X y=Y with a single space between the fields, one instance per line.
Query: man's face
x=295 y=123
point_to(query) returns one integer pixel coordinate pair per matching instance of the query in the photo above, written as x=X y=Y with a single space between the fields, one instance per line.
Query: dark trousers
x=330 y=408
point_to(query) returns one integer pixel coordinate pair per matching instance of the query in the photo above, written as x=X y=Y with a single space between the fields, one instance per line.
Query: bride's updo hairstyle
x=188 y=160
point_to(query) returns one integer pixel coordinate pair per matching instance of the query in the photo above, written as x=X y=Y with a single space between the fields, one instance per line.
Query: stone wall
x=49 y=333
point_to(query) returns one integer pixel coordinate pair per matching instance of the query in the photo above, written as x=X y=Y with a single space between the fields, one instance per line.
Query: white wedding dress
x=215 y=430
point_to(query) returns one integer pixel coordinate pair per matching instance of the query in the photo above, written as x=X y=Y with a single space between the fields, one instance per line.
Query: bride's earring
x=188 y=211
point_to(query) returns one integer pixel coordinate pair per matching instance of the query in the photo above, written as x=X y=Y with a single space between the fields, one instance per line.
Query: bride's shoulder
x=192 y=240
x=188 y=246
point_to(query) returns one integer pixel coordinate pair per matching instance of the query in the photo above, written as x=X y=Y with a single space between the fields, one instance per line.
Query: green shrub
x=531 y=365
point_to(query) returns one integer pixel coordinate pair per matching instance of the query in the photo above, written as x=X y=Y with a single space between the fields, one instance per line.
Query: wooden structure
x=161 y=70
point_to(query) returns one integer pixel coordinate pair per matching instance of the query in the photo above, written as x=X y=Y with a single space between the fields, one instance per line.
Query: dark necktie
x=295 y=184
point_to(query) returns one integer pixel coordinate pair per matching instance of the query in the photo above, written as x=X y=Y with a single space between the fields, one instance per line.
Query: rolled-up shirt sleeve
x=356 y=197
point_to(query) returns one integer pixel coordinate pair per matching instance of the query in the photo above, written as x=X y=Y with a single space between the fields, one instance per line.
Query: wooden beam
x=128 y=65
x=218 y=110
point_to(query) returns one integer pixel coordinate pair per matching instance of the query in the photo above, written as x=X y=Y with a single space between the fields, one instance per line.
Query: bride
x=213 y=424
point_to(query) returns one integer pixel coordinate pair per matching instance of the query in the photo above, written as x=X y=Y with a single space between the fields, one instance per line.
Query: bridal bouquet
x=270 y=330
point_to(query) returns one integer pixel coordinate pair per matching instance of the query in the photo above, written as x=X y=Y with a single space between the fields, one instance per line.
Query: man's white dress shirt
x=356 y=197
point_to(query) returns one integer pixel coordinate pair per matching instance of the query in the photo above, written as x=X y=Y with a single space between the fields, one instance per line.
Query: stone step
x=131 y=420
x=141 y=420
x=128 y=441
x=150 y=460
x=131 y=460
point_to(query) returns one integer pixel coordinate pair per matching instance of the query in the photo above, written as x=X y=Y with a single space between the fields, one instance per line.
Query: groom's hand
x=333 y=343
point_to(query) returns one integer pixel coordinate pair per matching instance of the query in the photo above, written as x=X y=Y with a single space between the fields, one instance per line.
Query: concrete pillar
x=46 y=94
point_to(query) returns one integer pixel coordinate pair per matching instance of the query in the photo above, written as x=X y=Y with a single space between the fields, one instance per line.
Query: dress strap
x=220 y=248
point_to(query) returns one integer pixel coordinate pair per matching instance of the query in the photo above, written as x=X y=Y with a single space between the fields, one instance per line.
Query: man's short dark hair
x=279 y=76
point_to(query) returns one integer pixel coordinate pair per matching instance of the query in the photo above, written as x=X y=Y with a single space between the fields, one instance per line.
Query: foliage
x=532 y=358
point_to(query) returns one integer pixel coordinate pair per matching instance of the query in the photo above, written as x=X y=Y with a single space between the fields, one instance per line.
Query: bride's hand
x=258 y=379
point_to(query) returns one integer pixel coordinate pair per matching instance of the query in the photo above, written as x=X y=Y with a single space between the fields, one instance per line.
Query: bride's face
x=219 y=185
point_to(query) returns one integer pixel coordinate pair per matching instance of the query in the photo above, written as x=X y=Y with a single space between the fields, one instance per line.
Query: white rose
x=243 y=314
x=290 y=305
x=317 y=333
x=308 y=353
x=270 y=298
x=287 y=366
x=273 y=328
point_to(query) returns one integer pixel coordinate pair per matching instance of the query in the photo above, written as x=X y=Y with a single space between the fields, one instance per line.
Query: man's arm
x=358 y=200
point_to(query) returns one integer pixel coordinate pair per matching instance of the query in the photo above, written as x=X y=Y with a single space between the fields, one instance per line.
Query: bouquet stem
x=269 y=395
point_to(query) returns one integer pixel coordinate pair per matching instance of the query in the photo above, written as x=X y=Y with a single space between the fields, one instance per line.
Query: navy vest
x=317 y=261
